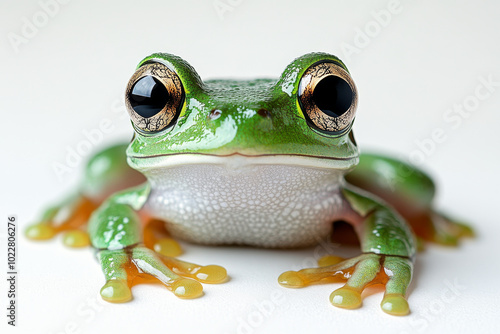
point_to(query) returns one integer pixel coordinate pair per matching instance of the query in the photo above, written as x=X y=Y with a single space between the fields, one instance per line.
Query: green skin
x=386 y=240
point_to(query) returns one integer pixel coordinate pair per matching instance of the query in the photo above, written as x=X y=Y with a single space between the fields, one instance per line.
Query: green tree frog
x=266 y=163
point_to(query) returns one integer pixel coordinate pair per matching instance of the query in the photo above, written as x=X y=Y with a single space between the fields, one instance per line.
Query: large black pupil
x=333 y=96
x=148 y=96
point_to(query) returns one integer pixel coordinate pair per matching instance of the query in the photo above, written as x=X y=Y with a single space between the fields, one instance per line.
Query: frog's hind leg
x=67 y=217
x=105 y=173
x=444 y=230
x=410 y=192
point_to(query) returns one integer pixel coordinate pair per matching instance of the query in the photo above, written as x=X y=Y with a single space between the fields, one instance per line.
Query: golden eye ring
x=154 y=97
x=328 y=97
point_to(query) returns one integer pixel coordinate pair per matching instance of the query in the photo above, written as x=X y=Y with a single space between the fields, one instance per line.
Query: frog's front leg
x=115 y=231
x=388 y=247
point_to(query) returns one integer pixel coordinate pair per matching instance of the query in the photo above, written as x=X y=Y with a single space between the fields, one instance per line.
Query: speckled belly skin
x=257 y=205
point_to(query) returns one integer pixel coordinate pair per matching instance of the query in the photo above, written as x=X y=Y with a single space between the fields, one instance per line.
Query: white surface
x=70 y=75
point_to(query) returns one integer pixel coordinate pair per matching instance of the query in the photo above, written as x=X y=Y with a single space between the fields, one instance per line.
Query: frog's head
x=304 y=118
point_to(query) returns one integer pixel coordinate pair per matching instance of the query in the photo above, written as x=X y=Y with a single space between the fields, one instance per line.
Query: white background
x=69 y=75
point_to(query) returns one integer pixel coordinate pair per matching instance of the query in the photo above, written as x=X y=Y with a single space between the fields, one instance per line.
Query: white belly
x=254 y=204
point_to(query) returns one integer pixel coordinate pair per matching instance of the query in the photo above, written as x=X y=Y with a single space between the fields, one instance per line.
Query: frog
x=268 y=163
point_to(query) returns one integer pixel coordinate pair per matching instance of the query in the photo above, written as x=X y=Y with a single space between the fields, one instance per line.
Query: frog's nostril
x=214 y=114
x=264 y=112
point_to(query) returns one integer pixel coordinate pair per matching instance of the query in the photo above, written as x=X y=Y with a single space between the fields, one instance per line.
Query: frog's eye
x=328 y=97
x=154 y=97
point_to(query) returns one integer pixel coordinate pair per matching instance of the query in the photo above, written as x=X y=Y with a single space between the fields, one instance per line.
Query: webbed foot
x=122 y=267
x=360 y=272
x=68 y=219
x=443 y=230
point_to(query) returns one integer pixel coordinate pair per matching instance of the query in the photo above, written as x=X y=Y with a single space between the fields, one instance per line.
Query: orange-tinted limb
x=69 y=218
x=157 y=238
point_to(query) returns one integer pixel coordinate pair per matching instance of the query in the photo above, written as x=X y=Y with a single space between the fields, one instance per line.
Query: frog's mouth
x=237 y=160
